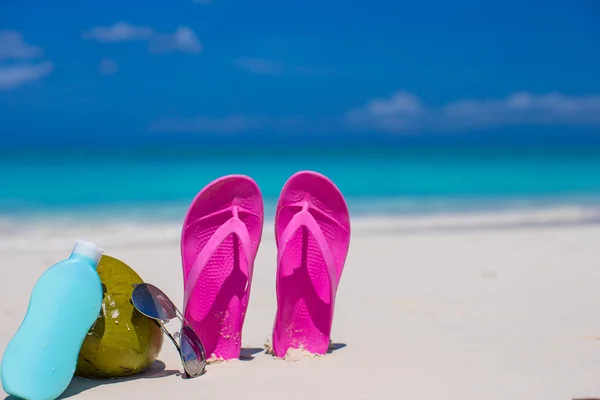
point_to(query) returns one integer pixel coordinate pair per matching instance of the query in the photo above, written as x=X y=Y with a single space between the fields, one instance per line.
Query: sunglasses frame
x=160 y=323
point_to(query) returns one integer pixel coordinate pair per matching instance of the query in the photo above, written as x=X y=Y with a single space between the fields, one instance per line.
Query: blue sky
x=185 y=71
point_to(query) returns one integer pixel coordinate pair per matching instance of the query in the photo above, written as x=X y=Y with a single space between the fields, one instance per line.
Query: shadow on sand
x=248 y=353
x=78 y=385
x=156 y=370
x=336 y=346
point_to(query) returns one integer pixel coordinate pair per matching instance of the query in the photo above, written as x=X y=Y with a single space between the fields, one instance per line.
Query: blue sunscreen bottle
x=39 y=361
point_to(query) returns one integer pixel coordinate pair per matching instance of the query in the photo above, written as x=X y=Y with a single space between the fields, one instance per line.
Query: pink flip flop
x=219 y=241
x=312 y=232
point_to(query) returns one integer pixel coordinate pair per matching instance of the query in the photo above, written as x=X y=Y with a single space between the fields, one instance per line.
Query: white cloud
x=204 y=124
x=229 y=124
x=108 y=66
x=183 y=39
x=527 y=108
x=119 y=32
x=261 y=66
x=402 y=103
x=14 y=47
x=269 y=66
x=16 y=75
x=15 y=51
x=403 y=112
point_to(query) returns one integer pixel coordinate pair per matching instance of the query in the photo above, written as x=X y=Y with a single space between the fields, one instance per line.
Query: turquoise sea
x=160 y=183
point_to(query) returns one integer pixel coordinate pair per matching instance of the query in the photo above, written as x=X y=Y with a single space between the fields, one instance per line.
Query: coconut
x=122 y=341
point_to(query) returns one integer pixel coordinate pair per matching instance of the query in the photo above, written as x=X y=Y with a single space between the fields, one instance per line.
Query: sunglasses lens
x=192 y=352
x=152 y=302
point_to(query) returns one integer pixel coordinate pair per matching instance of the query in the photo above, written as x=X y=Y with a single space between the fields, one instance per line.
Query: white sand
x=503 y=306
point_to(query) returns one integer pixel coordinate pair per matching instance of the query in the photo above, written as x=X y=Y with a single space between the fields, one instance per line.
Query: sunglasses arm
x=181 y=317
x=162 y=327
x=168 y=334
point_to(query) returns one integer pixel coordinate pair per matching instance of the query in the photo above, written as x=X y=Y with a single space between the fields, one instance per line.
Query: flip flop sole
x=220 y=238
x=312 y=231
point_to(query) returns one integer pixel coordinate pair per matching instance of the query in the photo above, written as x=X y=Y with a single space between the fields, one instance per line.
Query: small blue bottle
x=39 y=361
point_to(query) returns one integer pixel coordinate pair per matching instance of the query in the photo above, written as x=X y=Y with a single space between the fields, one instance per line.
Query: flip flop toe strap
x=233 y=226
x=305 y=219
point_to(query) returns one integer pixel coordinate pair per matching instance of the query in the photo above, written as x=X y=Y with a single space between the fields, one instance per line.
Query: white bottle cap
x=89 y=250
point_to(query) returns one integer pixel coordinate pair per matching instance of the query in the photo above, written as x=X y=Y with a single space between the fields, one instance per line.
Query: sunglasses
x=153 y=303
